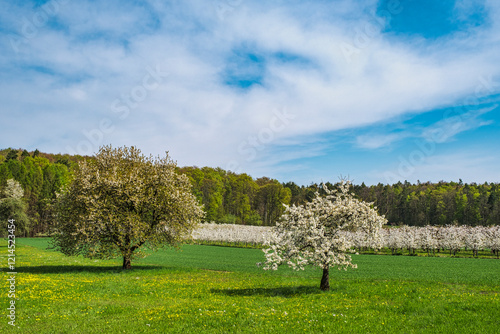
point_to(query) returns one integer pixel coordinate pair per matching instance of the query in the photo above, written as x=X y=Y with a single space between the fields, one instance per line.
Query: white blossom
x=315 y=233
x=231 y=233
x=13 y=189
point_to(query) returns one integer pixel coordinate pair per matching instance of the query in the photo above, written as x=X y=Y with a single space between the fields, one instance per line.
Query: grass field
x=209 y=289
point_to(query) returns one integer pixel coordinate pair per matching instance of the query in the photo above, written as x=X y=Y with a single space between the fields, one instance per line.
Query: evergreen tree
x=12 y=155
x=24 y=154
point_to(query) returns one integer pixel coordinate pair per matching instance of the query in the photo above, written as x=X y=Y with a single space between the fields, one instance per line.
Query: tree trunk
x=325 y=280
x=126 y=262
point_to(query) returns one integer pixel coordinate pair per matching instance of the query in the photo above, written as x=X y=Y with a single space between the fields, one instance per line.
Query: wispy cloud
x=452 y=122
x=448 y=128
x=377 y=141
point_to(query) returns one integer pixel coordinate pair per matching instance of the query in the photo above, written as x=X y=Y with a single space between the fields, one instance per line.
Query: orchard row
x=451 y=239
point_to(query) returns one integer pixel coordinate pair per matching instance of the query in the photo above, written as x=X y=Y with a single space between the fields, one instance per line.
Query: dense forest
x=40 y=176
x=240 y=199
x=421 y=204
x=237 y=198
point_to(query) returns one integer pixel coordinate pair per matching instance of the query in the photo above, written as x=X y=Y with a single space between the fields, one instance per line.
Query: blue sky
x=379 y=91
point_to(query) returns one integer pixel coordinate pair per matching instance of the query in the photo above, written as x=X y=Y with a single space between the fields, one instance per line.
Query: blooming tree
x=315 y=232
x=427 y=238
x=393 y=239
x=121 y=201
x=476 y=239
x=453 y=238
x=493 y=239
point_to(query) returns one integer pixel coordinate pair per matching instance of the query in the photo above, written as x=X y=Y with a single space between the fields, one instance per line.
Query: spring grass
x=209 y=289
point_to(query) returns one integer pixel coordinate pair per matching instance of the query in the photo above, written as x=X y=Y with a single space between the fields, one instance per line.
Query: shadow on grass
x=270 y=292
x=79 y=269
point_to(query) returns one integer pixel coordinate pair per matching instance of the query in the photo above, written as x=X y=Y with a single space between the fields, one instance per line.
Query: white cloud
x=104 y=49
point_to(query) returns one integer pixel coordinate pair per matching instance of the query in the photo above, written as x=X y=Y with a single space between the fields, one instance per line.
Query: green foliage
x=254 y=219
x=122 y=200
x=24 y=154
x=40 y=179
x=228 y=219
x=226 y=195
x=269 y=200
x=208 y=187
x=12 y=155
x=422 y=204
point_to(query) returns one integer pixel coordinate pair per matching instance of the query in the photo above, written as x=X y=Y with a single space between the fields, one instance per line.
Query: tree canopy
x=237 y=198
x=313 y=233
x=122 y=200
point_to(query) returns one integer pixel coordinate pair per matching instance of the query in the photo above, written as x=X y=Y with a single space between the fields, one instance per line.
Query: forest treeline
x=233 y=198
x=438 y=204
x=237 y=198
x=40 y=175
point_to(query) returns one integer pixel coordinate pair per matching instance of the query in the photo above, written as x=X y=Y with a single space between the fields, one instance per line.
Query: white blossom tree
x=427 y=238
x=394 y=239
x=121 y=201
x=493 y=240
x=475 y=239
x=315 y=232
x=453 y=238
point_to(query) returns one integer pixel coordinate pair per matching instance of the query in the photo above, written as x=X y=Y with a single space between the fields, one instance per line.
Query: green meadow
x=210 y=289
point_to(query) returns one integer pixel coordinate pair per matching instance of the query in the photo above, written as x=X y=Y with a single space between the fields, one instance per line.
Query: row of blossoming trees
x=431 y=239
